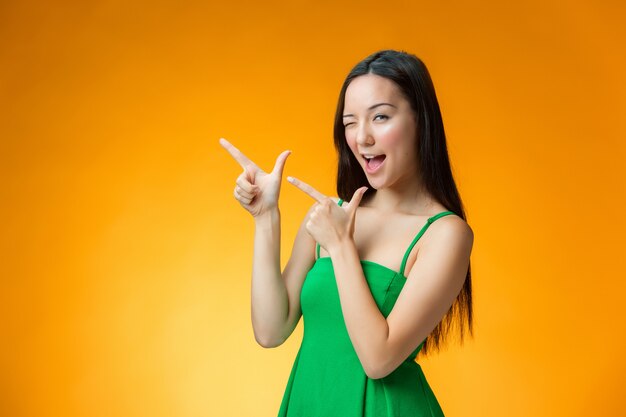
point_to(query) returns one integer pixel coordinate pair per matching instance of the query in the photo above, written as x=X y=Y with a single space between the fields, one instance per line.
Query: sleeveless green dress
x=327 y=378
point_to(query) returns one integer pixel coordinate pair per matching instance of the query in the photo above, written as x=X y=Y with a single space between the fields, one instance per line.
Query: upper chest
x=384 y=239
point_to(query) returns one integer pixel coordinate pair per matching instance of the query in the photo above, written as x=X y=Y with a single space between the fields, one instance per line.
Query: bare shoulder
x=455 y=225
x=450 y=231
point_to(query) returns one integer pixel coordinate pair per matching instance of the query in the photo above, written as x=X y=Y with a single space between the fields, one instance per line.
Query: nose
x=364 y=135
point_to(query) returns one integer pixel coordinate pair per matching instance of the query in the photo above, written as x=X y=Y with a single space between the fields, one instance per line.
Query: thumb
x=250 y=175
x=356 y=199
x=280 y=163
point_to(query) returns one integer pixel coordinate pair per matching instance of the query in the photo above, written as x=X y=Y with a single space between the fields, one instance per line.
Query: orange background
x=126 y=261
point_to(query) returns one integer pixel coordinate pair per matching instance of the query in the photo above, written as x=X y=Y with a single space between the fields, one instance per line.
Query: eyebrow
x=372 y=107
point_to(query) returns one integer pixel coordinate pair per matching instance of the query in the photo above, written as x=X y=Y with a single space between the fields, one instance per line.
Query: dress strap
x=421 y=232
x=340 y=202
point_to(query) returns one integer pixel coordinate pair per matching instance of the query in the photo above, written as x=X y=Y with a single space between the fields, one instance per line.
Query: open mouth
x=373 y=162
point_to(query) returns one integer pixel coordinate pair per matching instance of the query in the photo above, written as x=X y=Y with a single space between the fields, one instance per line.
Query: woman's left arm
x=434 y=282
x=431 y=287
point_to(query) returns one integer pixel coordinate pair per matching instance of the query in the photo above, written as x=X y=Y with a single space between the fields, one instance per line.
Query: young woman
x=380 y=278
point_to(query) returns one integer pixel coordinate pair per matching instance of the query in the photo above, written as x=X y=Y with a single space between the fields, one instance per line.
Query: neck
x=408 y=197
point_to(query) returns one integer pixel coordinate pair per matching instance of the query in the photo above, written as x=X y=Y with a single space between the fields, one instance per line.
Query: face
x=381 y=131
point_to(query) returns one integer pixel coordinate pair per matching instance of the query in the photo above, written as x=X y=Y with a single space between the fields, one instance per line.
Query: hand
x=330 y=224
x=256 y=190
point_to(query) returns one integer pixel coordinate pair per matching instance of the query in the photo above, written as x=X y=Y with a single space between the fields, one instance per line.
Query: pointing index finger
x=237 y=154
x=312 y=192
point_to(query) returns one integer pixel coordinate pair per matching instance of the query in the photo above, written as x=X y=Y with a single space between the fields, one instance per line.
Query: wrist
x=267 y=218
x=342 y=248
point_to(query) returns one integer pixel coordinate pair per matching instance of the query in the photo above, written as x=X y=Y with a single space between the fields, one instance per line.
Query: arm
x=276 y=297
x=435 y=280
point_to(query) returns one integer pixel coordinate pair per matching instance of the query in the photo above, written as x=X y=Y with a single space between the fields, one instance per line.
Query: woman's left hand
x=330 y=224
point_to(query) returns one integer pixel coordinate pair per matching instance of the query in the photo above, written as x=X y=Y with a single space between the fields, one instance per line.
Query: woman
x=368 y=311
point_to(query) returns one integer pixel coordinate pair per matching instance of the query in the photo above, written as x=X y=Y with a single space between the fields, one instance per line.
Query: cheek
x=351 y=143
x=394 y=135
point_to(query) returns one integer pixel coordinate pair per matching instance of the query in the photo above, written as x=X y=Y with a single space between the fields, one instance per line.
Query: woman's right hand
x=256 y=190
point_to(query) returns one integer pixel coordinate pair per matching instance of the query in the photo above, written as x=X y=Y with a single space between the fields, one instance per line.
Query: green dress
x=327 y=378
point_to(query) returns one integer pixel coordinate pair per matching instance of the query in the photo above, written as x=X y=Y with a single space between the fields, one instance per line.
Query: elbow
x=376 y=373
x=271 y=336
x=377 y=370
x=268 y=342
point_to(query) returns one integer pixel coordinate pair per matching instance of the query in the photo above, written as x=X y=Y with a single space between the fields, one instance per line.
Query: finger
x=243 y=160
x=250 y=174
x=243 y=192
x=245 y=185
x=312 y=192
x=280 y=163
x=356 y=199
x=241 y=198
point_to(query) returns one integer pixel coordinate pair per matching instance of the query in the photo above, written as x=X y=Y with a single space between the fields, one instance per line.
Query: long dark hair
x=412 y=77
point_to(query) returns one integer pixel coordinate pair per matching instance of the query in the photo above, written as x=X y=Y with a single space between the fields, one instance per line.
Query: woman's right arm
x=275 y=297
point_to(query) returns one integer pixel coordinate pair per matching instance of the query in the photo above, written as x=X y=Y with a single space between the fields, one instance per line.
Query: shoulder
x=454 y=225
x=450 y=231
x=445 y=252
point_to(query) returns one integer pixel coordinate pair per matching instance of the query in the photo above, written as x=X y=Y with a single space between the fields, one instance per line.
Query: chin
x=376 y=185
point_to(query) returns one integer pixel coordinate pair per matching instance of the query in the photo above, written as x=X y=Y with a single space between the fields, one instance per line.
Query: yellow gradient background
x=126 y=260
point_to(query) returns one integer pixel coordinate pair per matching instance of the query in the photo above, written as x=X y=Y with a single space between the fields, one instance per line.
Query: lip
x=373 y=171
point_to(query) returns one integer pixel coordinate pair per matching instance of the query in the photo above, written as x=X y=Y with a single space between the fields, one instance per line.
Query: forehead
x=366 y=90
